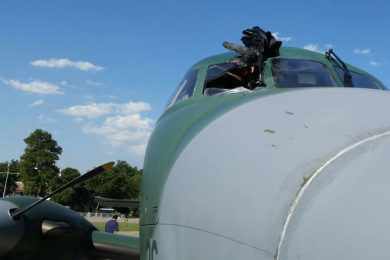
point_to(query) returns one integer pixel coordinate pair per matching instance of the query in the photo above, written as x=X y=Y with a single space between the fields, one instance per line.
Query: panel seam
x=219 y=235
x=304 y=187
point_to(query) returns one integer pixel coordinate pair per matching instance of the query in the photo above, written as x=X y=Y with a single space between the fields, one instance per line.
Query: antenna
x=347 y=74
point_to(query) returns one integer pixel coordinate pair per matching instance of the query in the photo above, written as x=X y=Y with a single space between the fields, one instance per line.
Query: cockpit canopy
x=294 y=68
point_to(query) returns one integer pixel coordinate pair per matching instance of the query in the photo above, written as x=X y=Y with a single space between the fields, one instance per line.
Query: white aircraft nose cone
x=10 y=230
x=232 y=187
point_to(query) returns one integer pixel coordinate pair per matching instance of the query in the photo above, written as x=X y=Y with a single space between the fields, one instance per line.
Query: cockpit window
x=295 y=73
x=230 y=77
x=360 y=80
x=185 y=89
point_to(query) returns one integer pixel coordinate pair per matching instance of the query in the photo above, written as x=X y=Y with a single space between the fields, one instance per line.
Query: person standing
x=112 y=225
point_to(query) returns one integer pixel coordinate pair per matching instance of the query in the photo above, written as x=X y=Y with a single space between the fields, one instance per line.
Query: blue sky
x=97 y=74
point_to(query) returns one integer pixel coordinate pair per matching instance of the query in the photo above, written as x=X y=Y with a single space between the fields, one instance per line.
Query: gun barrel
x=235 y=47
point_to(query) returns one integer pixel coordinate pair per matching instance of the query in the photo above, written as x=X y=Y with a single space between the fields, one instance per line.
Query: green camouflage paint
x=181 y=122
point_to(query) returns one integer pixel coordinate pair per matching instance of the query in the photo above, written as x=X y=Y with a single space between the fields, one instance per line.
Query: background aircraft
x=40 y=229
x=262 y=153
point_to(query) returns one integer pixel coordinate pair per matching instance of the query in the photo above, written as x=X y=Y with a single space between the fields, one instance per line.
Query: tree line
x=40 y=175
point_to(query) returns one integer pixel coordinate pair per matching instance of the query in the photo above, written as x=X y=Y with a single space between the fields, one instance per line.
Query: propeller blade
x=88 y=175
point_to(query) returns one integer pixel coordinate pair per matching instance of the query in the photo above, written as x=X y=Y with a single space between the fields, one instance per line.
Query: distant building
x=19 y=188
x=103 y=202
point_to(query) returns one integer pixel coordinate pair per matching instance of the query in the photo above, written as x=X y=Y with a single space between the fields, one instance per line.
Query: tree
x=14 y=166
x=135 y=182
x=66 y=175
x=120 y=183
x=38 y=163
x=12 y=178
x=78 y=197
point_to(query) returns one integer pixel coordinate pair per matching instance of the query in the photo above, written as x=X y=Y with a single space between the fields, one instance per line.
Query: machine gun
x=258 y=47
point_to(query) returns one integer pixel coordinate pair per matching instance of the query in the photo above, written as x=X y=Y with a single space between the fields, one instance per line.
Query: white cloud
x=93 y=110
x=280 y=38
x=362 y=51
x=36 y=86
x=66 y=63
x=312 y=47
x=375 y=63
x=131 y=131
x=122 y=124
x=139 y=149
x=317 y=47
x=37 y=103
x=133 y=107
x=129 y=121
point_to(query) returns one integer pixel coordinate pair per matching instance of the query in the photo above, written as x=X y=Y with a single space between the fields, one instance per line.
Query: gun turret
x=259 y=46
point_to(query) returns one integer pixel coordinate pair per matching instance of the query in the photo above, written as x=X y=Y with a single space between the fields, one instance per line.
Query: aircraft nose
x=11 y=230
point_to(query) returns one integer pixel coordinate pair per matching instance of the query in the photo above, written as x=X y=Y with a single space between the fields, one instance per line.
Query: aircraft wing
x=115 y=246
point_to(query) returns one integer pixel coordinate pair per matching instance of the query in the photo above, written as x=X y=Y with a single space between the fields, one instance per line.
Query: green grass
x=123 y=226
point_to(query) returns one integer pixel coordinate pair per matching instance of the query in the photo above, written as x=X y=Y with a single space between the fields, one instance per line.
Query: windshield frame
x=192 y=74
x=331 y=72
x=339 y=72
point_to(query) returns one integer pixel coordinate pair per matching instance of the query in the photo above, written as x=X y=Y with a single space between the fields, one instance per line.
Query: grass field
x=123 y=226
